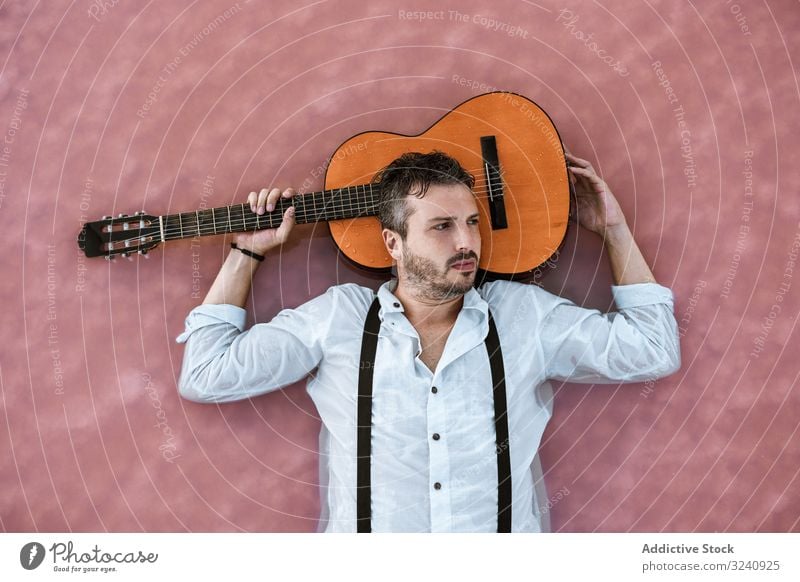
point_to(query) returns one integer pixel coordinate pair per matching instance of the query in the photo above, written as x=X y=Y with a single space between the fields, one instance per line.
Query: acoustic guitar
x=504 y=139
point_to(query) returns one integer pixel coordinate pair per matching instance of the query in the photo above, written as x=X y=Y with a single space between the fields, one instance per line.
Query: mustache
x=467 y=257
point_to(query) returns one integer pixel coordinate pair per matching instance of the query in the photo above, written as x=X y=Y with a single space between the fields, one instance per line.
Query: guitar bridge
x=494 y=182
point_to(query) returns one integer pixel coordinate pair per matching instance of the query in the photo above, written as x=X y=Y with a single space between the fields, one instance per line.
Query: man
x=434 y=457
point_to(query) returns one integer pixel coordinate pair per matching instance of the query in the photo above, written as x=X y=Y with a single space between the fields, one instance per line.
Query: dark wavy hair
x=411 y=175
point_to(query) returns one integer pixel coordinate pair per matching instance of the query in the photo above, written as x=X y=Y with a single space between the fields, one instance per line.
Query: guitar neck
x=335 y=204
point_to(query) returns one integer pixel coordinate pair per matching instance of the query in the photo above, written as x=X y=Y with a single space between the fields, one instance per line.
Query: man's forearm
x=627 y=263
x=232 y=285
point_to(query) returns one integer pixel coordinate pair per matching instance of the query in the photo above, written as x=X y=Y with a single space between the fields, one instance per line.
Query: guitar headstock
x=123 y=235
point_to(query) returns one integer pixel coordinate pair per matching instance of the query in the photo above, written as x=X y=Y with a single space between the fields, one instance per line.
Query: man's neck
x=425 y=311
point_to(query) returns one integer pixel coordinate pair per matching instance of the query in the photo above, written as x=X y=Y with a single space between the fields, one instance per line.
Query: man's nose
x=468 y=239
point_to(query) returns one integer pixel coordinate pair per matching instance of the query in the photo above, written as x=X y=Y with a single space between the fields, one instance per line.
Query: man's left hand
x=597 y=208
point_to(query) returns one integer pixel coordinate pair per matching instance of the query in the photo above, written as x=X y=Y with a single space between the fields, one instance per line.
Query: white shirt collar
x=391 y=304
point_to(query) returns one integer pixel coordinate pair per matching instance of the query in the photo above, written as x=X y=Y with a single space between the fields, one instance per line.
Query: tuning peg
x=108 y=257
x=140 y=213
x=107 y=217
x=122 y=216
x=144 y=254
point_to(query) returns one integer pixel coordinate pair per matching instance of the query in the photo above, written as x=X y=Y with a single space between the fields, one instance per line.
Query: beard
x=428 y=280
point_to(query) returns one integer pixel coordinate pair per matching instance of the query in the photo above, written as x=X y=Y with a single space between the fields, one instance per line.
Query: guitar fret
x=297 y=202
x=240 y=209
x=244 y=220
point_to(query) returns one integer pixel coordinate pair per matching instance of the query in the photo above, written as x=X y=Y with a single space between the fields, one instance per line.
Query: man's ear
x=393 y=243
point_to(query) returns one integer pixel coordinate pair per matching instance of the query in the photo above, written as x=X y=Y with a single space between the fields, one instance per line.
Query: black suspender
x=369 y=346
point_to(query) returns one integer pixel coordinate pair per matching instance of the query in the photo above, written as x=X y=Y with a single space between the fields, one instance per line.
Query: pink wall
x=94 y=436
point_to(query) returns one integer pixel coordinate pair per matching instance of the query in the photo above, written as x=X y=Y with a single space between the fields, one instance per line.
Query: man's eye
x=444 y=224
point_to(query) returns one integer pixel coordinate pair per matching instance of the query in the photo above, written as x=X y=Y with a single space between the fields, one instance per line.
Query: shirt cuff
x=638 y=294
x=211 y=314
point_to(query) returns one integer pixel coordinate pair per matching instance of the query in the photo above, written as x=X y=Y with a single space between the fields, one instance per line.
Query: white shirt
x=542 y=336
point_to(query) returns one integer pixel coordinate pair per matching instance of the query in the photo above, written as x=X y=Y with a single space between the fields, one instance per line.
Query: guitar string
x=328 y=206
x=242 y=221
x=252 y=222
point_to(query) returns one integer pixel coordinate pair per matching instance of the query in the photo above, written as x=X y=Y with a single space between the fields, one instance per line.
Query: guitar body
x=536 y=188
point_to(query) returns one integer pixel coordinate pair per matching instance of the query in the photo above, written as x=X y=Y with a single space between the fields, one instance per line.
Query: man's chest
x=432 y=341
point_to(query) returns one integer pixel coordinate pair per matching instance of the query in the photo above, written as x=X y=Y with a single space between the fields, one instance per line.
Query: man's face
x=442 y=232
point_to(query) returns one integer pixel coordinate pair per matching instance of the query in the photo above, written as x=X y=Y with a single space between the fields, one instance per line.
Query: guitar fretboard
x=336 y=204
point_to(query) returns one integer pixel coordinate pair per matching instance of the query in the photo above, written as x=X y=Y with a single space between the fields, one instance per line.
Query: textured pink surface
x=263 y=98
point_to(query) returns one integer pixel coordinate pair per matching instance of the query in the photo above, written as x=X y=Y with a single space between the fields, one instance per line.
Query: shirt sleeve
x=223 y=362
x=638 y=342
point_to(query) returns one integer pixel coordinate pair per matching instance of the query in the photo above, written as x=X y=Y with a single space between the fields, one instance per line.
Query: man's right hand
x=260 y=241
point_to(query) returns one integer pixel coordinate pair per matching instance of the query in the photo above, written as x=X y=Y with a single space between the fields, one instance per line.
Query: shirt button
x=396 y=304
x=434 y=389
x=436 y=436
x=437 y=485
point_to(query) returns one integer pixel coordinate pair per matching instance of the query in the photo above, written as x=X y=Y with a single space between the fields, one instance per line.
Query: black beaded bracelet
x=256 y=256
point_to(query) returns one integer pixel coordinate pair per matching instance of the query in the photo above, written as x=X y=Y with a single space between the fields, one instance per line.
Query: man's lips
x=464 y=265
